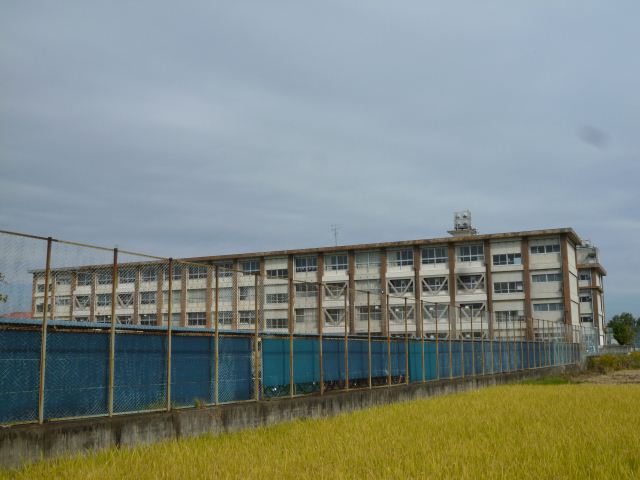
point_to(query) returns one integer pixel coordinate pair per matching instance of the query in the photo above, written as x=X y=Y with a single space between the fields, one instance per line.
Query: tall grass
x=610 y=362
x=518 y=431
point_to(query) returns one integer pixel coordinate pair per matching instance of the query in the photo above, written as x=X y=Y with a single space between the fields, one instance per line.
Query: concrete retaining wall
x=21 y=444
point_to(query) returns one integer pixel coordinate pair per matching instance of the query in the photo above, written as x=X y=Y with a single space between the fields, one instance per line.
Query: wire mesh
x=226 y=332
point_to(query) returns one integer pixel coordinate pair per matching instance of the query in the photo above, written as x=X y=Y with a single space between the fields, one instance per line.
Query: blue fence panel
x=19 y=375
x=235 y=373
x=468 y=358
x=77 y=374
x=479 y=357
x=358 y=361
x=140 y=372
x=456 y=358
x=398 y=360
x=443 y=357
x=333 y=368
x=379 y=360
x=192 y=369
x=275 y=365
x=415 y=361
x=431 y=360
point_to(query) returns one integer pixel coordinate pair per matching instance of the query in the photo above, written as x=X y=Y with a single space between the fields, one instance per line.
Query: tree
x=624 y=328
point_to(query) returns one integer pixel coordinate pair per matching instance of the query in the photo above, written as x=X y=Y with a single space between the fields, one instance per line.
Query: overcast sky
x=202 y=128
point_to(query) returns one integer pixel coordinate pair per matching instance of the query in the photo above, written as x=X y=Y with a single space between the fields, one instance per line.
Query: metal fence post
x=320 y=333
x=292 y=326
x=169 y=331
x=112 y=331
x=437 y=344
x=450 y=343
x=482 y=339
x=256 y=349
x=346 y=339
x=369 y=335
x=406 y=342
x=461 y=346
x=388 y=343
x=473 y=348
x=43 y=340
x=424 y=374
x=216 y=375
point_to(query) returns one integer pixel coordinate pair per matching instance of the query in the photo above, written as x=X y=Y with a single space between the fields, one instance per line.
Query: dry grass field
x=519 y=431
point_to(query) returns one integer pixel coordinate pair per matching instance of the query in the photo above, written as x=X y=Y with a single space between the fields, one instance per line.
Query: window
x=306 y=290
x=197 y=296
x=367 y=260
x=247 y=317
x=507 y=287
x=176 y=274
x=63 y=280
x=278 y=273
x=104 y=318
x=124 y=276
x=250 y=267
x=509 y=316
x=306 y=264
x=40 y=307
x=546 y=277
x=85 y=278
x=225 y=318
x=470 y=253
x=336 y=262
x=471 y=310
x=63 y=301
x=125 y=299
x=176 y=296
x=585 y=298
x=585 y=276
x=41 y=288
x=175 y=319
x=307 y=316
x=441 y=311
x=547 y=307
x=333 y=316
x=471 y=282
x=401 y=286
x=247 y=293
x=225 y=295
x=335 y=291
x=548 y=248
x=104 y=278
x=225 y=269
x=149 y=275
x=81 y=319
x=82 y=301
x=277 y=323
x=147 y=298
x=196 y=319
x=363 y=312
x=148 y=319
x=397 y=313
x=507 y=259
x=372 y=285
x=435 y=284
x=124 y=319
x=434 y=255
x=277 y=298
x=586 y=318
x=400 y=258
x=103 y=299
x=197 y=272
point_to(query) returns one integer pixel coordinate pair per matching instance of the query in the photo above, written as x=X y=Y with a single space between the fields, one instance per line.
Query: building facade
x=466 y=284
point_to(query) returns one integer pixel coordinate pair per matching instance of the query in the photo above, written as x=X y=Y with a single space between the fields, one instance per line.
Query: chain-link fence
x=88 y=331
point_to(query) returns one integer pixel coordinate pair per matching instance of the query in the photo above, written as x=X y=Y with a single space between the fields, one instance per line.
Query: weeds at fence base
x=611 y=363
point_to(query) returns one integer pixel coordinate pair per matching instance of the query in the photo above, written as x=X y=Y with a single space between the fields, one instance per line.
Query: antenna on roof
x=335 y=228
x=462 y=224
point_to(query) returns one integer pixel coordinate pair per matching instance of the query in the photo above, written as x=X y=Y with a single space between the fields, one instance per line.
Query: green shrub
x=611 y=363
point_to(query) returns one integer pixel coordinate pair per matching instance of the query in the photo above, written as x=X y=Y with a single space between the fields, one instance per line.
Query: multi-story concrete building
x=463 y=283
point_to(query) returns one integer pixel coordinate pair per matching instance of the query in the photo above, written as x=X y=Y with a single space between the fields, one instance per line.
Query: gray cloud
x=214 y=128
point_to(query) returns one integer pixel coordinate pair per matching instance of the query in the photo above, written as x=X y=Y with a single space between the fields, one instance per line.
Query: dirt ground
x=619 y=377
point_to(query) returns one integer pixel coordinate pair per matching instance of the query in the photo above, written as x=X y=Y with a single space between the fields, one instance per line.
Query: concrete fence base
x=21 y=444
